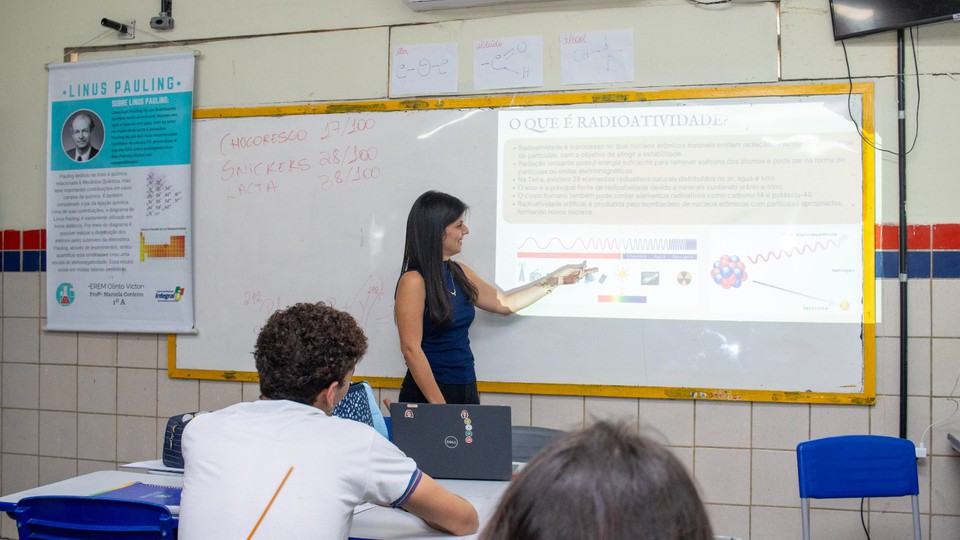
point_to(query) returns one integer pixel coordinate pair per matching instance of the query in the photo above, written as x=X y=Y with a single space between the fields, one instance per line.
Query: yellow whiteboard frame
x=865 y=90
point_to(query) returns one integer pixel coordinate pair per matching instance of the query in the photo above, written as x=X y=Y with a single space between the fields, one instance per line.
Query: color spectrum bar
x=621 y=299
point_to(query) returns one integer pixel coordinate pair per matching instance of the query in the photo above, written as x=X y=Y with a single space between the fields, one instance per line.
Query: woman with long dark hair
x=436 y=302
x=601 y=483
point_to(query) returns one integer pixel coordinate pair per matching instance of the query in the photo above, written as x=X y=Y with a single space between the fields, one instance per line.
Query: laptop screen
x=466 y=442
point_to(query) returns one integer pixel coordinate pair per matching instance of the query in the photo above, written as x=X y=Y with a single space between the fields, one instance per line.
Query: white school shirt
x=236 y=458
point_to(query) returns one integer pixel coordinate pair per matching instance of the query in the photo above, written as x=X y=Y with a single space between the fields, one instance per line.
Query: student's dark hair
x=301 y=350
x=423 y=251
x=601 y=483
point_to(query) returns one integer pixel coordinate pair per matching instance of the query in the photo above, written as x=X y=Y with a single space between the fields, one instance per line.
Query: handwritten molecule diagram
x=423 y=68
x=513 y=60
x=605 y=53
x=160 y=195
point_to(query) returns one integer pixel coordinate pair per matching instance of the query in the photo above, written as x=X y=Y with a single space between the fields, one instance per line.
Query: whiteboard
x=309 y=204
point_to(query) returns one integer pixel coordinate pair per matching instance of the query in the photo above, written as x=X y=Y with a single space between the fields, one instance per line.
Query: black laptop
x=465 y=442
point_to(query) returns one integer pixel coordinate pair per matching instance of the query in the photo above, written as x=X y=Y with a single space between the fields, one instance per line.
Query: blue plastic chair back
x=62 y=517
x=360 y=404
x=854 y=466
x=857 y=466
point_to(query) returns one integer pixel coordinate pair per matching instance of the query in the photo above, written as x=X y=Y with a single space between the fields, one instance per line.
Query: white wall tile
x=96 y=438
x=97 y=390
x=831 y=420
x=918 y=313
x=774 y=474
x=943 y=527
x=618 y=410
x=918 y=366
x=97 y=349
x=780 y=426
x=885 y=417
x=136 y=438
x=558 y=412
x=774 y=523
x=944 y=487
x=729 y=520
x=218 y=394
x=946 y=419
x=163 y=350
x=21 y=294
x=719 y=423
x=58 y=387
x=21 y=432
x=895 y=525
x=175 y=396
x=43 y=295
x=21 y=385
x=21 y=340
x=668 y=420
x=86 y=466
x=19 y=473
x=137 y=391
x=836 y=524
x=55 y=469
x=251 y=392
x=138 y=350
x=59 y=347
x=723 y=474
x=946 y=366
x=58 y=434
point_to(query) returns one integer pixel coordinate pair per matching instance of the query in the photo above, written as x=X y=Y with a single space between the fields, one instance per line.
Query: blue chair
x=64 y=517
x=360 y=404
x=856 y=466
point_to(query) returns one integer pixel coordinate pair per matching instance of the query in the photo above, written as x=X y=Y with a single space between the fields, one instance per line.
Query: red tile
x=43 y=239
x=11 y=240
x=946 y=236
x=887 y=237
x=31 y=239
x=918 y=236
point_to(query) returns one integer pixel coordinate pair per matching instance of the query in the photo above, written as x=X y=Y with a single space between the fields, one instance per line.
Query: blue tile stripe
x=921 y=263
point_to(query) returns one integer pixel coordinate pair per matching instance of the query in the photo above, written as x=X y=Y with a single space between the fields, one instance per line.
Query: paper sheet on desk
x=154 y=466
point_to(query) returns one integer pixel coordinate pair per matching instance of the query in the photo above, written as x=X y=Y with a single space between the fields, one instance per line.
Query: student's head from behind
x=602 y=483
x=81 y=128
x=429 y=217
x=304 y=349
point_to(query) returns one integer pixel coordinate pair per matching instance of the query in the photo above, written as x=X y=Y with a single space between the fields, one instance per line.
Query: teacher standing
x=436 y=302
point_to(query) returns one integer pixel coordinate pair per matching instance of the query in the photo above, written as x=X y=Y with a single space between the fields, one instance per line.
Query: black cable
x=862 y=522
x=916 y=70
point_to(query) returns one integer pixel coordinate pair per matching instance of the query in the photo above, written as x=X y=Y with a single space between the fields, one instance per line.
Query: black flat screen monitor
x=852 y=18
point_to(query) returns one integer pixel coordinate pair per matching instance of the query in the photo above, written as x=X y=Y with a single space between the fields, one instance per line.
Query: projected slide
x=702 y=213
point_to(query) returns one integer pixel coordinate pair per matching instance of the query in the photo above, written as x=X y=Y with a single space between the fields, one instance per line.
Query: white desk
x=369 y=521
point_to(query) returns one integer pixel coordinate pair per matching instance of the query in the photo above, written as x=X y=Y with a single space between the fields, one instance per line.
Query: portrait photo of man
x=84 y=130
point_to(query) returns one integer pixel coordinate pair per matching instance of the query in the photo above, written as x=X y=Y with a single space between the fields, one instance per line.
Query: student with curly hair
x=283 y=466
x=601 y=483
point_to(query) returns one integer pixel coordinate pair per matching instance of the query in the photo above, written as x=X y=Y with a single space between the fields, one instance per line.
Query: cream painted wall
x=73 y=403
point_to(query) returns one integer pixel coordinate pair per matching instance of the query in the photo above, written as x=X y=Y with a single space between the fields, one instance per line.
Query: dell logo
x=451 y=442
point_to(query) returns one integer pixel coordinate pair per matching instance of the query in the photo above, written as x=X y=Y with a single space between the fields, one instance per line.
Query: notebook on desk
x=465 y=442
